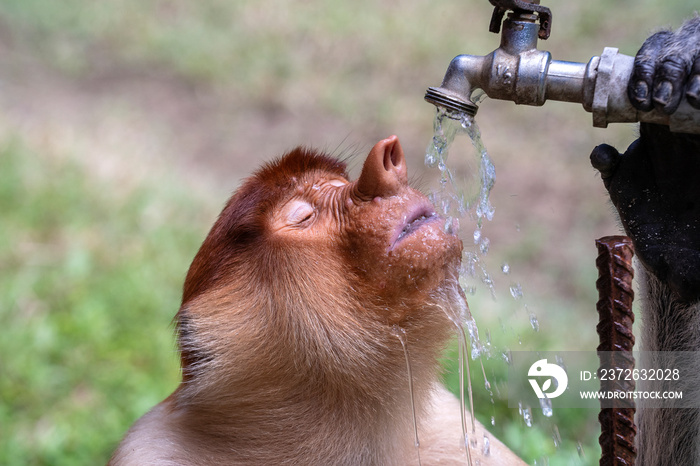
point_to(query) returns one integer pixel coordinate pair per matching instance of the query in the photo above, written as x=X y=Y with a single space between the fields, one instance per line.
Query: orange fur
x=288 y=326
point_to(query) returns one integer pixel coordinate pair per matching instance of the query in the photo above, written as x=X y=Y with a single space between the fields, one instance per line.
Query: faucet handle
x=521 y=6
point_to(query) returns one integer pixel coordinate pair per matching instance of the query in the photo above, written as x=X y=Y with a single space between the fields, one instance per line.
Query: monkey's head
x=301 y=256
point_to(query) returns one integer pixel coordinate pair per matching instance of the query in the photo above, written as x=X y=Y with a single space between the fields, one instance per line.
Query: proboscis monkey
x=290 y=322
x=655 y=187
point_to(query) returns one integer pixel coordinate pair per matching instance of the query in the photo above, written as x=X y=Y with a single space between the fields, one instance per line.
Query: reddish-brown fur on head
x=295 y=293
x=291 y=316
x=241 y=225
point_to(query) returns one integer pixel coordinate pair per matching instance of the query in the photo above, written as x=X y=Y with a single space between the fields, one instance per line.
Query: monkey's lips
x=413 y=221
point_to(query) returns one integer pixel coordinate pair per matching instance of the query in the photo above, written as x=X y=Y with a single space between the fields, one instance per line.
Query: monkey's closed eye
x=298 y=212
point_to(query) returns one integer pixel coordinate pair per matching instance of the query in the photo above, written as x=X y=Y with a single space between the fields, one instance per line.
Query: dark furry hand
x=655 y=184
x=666 y=69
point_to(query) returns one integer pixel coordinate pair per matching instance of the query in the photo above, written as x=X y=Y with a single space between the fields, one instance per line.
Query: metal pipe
x=518 y=72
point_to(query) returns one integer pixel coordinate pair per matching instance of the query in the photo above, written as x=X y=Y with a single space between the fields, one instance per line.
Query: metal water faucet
x=519 y=72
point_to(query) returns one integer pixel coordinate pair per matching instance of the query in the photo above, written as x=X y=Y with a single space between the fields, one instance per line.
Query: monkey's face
x=299 y=224
x=386 y=232
x=303 y=256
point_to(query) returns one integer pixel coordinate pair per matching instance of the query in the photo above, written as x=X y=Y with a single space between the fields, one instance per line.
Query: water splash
x=484 y=245
x=556 y=436
x=400 y=333
x=459 y=198
x=455 y=202
x=464 y=367
x=477 y=347
x=526 y=413
x=457 y=311
x=487 y=170
x=534 y=322
x=487 y=446
x=516 y=291
x=454 y=198
x=546 y=405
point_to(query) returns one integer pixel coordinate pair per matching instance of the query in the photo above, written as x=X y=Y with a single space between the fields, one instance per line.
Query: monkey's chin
x=426 y=246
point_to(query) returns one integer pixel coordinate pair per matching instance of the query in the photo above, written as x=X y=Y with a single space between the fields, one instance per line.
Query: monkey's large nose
x=384 y=171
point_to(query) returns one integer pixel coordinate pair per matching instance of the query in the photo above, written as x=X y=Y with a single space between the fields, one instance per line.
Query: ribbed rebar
x=615 y=296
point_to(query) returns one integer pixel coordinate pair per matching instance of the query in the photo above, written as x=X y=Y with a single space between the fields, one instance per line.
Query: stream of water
x=462 y=197
x=457 y=201
x=401 y=335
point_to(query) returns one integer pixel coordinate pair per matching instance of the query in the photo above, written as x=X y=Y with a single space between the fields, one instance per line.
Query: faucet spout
x=455 y=93
x=515 y=71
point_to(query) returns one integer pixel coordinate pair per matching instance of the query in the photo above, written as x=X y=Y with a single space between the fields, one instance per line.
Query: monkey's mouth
x=412 y=222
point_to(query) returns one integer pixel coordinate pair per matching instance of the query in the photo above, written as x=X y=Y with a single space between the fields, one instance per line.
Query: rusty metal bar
x=615 y=296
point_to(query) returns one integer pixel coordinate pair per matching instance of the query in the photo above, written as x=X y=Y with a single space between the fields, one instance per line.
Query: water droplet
x=560 y=361
x=579 y=450
x=400 y=333
x=505 y=268
x=466 y=121
x=488 y=281
x=469 y=261
x=493 y=420
x=487 y=446
x=446 y=205
x=516 y=291
x=507 y=357
x=484 y=245
x=473 y=332
x=527 y=416
x=487 y=385
x=449 y=226
x=546 y=405
x=534 y=323
x=556 y=436
x=477 y=236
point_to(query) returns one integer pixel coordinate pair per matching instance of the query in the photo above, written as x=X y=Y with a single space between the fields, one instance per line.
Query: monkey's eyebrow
x=338 y=182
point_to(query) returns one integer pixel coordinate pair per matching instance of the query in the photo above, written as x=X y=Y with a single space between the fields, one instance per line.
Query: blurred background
x=125 y=125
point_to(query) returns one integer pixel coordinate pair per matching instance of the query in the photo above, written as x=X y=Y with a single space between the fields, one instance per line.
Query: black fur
x=655 y=187
x=667 y=67
x=655 y=184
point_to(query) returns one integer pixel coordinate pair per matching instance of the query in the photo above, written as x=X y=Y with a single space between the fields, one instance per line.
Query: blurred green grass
x=89 y=284
x=91 y=267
